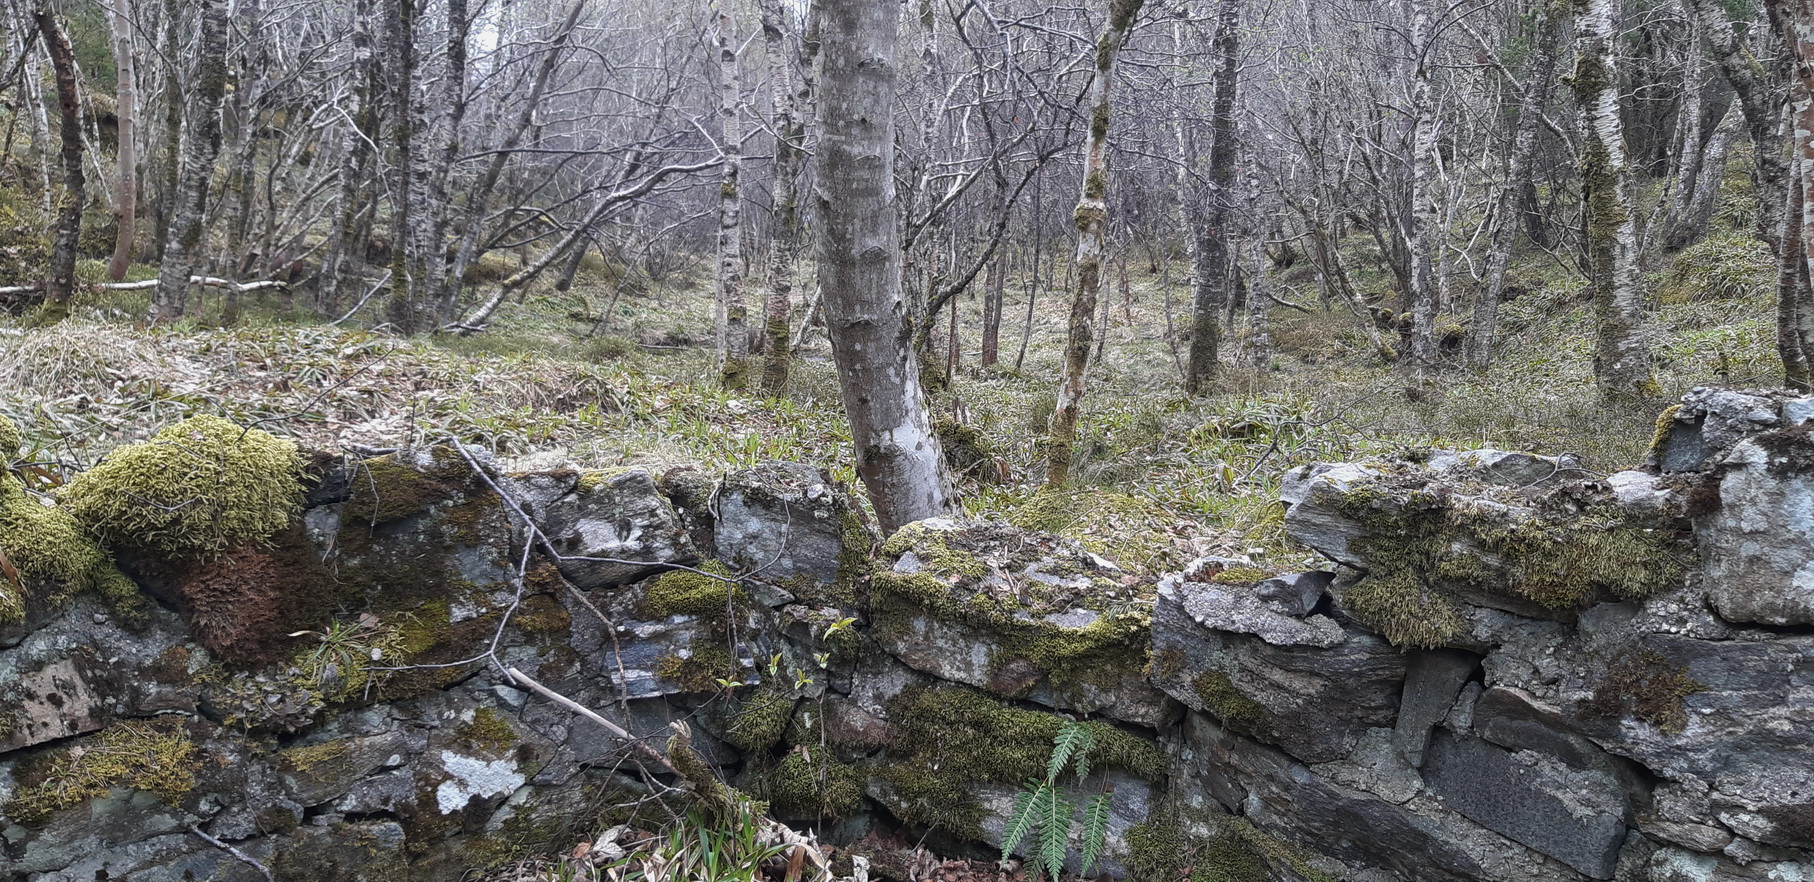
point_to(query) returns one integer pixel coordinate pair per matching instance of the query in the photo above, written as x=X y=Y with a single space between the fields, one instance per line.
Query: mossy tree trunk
x=1621 y=362
x=1794 y=22
x=1092 y=220
x=1421 y=228
x=733 y=312
x=791 y=90
x=898 y=456
x=1208 y=216
x=1760 y=91
x=403 y=309
x=61 y=280
x=201 y=145
x=1504 y=233
x=125 y=190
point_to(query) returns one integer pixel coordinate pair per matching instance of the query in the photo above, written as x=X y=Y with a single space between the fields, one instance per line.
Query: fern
x=1021 y=820
x=1095 y=829
x=1042 y=816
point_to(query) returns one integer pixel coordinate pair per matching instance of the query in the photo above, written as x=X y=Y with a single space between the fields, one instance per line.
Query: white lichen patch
x=470 y=777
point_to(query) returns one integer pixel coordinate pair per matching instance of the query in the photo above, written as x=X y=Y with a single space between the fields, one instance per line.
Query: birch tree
x=1794 y=21
x=1092 y=221
x=1208 y=217
x=898 y=456
x=125 y=188
x=200 y=147
x=1621 y=362
x=733 y=313
x=61 y=279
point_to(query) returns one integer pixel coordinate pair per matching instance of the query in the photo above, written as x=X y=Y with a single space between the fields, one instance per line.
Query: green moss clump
x=385 y=489
x=1240 y=576
x=51 y=553
x=194 y=489
x=699 y=671
x=1158 y=850
x=10 y=440
x=934 y=552
x=1226 y=701
x=1647 y=686
x=687 y=593
x=488 y=732
x=1133 y=532
x=1665 y=424
x=304 y=759
x=950 y=739
x=1403 y=609
x=812 y=783
x=762 y=720
x=156 y=757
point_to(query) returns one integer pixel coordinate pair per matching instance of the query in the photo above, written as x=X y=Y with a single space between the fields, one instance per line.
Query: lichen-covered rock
x=619 y=520
x=793 y=526
x=1758 y=545
x=1309 y=685
x=1021 y=614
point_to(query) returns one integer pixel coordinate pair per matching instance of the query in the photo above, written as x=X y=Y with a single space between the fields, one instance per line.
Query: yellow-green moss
x=934 y=552
x=156 y=757
x=853 y=560
x=1133 y=532
x=1665 y=424
x=488 y=732
x=1405 y=610
x=686 y=593
x=596 y=478
x=761 y=721
x=194 y=489
x=1222 y=697
x=951 y=739
x=700 y=670
x=313 y=756
x=54 y=555
x=385 y=489
x=10 y=440
x=809 y=781
x=1240 y=576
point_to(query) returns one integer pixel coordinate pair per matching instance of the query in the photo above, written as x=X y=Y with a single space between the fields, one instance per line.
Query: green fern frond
x=1054 y=814
x=1021 y=821
x=1095 y=829
x=1072 y=741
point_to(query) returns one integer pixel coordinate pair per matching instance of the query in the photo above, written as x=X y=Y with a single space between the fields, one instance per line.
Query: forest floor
x=1161 y=478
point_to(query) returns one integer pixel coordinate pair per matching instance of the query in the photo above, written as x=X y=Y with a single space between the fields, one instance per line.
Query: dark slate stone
x=1524 y=800
x=1295 y=594
x=1682 y=449
x=1432 y=680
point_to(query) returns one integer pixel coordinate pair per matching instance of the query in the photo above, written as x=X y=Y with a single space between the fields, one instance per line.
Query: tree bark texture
x=1209 y=229
x=1092 y=220
x=125 y=193
x=898 y=456
x=790 y=90
x=201 y=145
x=1760 y=96
x=1794 y=21
x=60 y=282
x=733 y=312
x=357 y=140
x=1422 y=229
x=1621 y=363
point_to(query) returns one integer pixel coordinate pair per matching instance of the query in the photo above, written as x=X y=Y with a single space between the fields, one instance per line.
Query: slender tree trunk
x=1039 y=239
x=994 y=298
x=429 y=232
x=1794 y=21
x=790 y=160
x=1760 y=95
x=1422 y=232
x=1208 y=231
x=351 y=206
x=1504 y=233
x=898 y=455
x=170 y=164
x=403 y=309
x=1691 y=227
x=733 y=311
x=1092 y=220
x=201 y=145
x=125 y=192
x=1621 y=363
x=61 y=280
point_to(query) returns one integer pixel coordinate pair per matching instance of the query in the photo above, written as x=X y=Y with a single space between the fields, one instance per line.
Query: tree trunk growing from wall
x=898 y=455
x=733 y=311
x=1621 y=363
x=1209 y=233
x=1092 y=219
x=125 y=193
x=201 y=145
x=60 y=282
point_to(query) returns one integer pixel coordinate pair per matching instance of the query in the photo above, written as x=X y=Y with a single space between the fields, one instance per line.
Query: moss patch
x=54 y=557
x=686 y=593
x=1647 y=686
x=488 y=732
x=810 y=782
x=1234 y=708
x=761 y=721
x=156 y=757
x=950 y=739
x=193 y=490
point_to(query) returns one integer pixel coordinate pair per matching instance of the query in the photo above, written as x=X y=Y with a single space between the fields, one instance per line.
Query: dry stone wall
x=1511 y=669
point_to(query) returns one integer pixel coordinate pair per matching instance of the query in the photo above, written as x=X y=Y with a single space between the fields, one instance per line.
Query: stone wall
x=1511 y=669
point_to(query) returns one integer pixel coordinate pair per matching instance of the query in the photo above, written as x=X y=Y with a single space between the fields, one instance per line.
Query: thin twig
x=568 y=703
x=241 y=856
